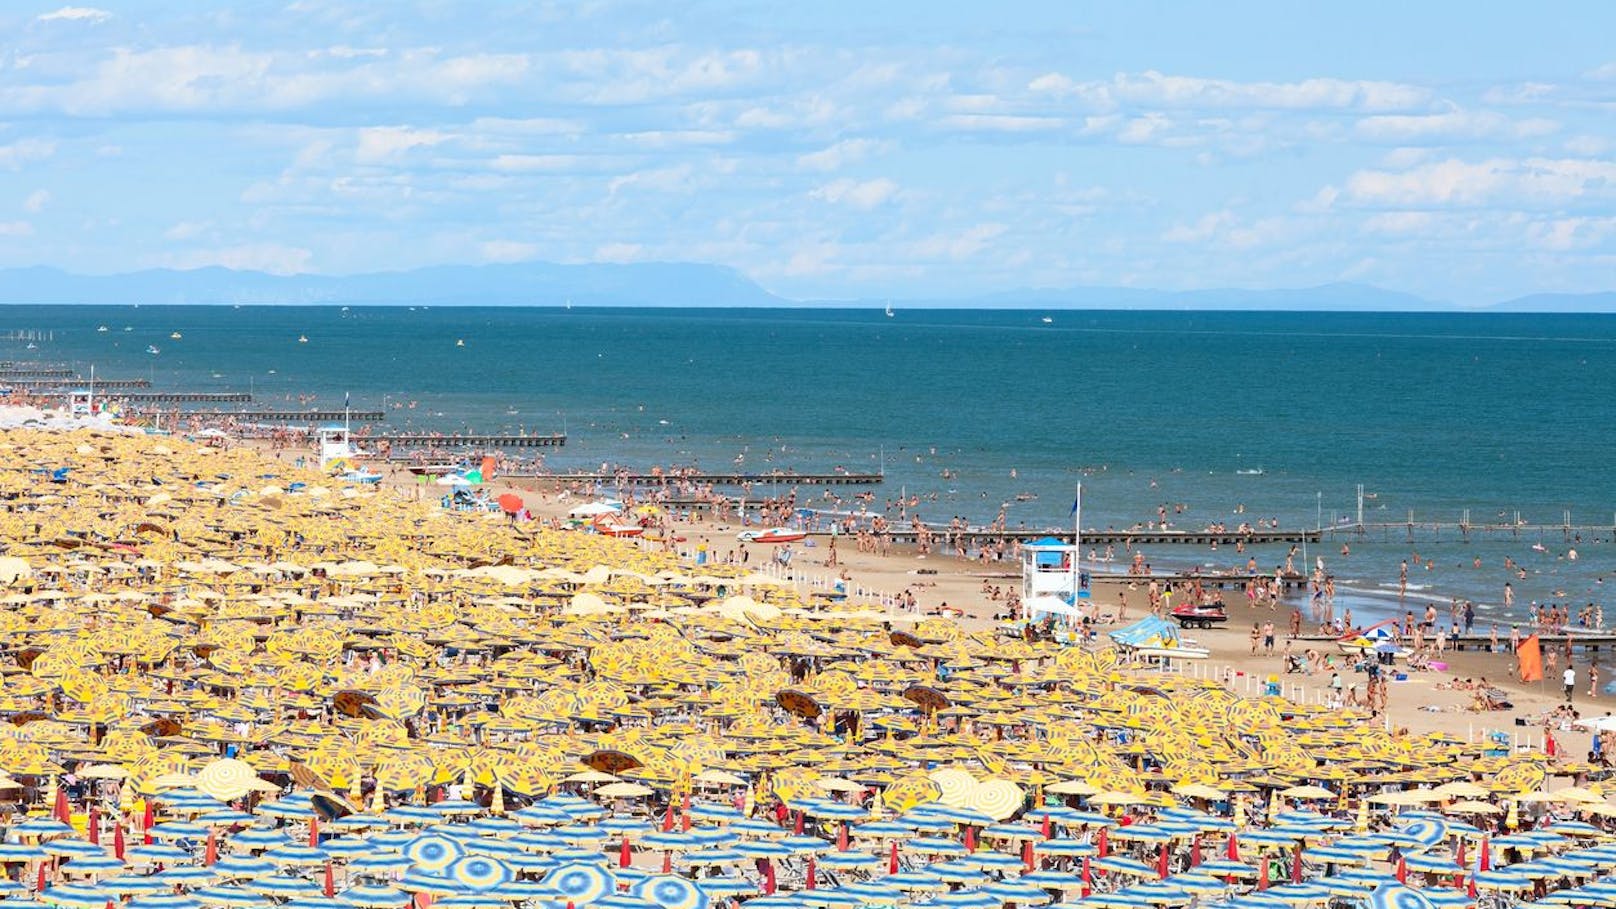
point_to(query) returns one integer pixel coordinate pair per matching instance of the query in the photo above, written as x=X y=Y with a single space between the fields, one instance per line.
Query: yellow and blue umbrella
x=670 y=892
x=372 y=896
x=432 y=853
x=579 y=883
x=1398 y=897
x=480 y=873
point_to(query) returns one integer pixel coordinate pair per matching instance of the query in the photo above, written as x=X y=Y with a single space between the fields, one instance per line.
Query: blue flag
x=1075 y=502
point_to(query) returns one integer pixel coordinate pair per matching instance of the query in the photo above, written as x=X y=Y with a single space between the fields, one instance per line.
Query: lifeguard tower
x=81 y=402
x=337 y=453
x=1053 y=581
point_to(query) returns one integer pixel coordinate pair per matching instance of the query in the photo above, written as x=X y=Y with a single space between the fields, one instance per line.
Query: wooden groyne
x=286 y=416
x=460 y=440
x=79 y=383
x=713 y=479
x=187 y=397
x=22 y=374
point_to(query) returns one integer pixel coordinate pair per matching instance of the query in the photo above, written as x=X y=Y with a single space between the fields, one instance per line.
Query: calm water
x=1435 y=413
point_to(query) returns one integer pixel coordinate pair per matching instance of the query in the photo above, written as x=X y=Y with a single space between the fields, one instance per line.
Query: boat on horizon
x=889 y=310
x=152 y=349
x=1250 y=472
x=175 y=336
x=1048 y=320
x=102 y=328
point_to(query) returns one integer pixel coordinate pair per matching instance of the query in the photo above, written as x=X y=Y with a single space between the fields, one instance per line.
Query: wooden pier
x=714 y=479
x=22 y=374
x=1588 y=641
x=76 y=383
x=284 y=416
x=458 y=440
x=187 y=397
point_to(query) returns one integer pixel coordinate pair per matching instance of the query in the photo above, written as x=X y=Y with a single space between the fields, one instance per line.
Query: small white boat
x=152 y=349
x=889 y=310
x=31 y=346
x=302 y=339
x=460 y=342
x=1048 y=320
x=175 y=336
x=771 y=535
x=1250 y=472
x=102 y=328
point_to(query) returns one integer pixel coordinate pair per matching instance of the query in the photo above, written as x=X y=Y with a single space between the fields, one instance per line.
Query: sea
x=1303 y=418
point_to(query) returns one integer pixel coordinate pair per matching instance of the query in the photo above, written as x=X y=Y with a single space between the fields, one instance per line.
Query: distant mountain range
x=678 y=284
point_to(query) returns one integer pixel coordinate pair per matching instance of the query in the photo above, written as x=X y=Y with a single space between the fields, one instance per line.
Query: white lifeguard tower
x=1053 y=581
x=81 y=402
x=336 y=451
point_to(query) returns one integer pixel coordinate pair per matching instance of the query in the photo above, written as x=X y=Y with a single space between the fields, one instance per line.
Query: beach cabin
x=1053 y=581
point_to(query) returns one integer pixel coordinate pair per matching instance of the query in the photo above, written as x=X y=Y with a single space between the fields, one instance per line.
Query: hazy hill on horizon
x=680 y=284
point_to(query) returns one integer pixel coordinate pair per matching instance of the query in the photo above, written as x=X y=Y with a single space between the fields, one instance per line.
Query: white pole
x=1077 y=542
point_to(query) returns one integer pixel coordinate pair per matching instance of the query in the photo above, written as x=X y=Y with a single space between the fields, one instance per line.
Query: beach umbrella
x=283 y=887
x=1394 y=897
x=93 y=864
x=433 y=852
x=479 y=873
x=966 y=899
x=670 y=892
x=76 y=896
x=163 y=901
x=1017 y=891
x=190 y=875
x=579 y=883
x=21 y=852
x=243 y=866
x=229 y=897
x=1117 y=864
x=136 y=884
x=372 y=896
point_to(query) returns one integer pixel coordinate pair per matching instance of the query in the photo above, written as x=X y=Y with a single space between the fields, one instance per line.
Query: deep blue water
x=1431 y=412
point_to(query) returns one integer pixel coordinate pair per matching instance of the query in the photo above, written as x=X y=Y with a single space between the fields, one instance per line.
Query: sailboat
x=889 y=310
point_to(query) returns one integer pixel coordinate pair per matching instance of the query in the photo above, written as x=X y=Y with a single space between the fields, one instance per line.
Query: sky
x=1465 y=152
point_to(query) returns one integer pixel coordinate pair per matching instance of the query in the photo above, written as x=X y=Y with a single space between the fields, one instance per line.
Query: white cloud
x=538 y=163
x=1450 y=125
x=1528 y=181
x=1571 y=233
x=676 y=138
x=661 y=179
x=23 y=151
x=1399 y=222
x=958 y=245
x=1203 y=229
x=187 y=230
x=1155 y=89
x=275 y=258
x=507 y=251
x=1002 y=123
x=860 y=195
x=76 y=14
x=382 y=143
x=619 y=252
x=842 y=153
x=16 y=229
x=36 y=201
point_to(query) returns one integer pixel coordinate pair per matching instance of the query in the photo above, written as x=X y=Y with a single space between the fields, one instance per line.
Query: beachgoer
x=1570 y=682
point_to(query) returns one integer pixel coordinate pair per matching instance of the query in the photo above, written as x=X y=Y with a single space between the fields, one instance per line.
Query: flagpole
x=1077 y=542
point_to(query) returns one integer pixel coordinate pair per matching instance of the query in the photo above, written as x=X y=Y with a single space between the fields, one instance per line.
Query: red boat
x=1202 y=615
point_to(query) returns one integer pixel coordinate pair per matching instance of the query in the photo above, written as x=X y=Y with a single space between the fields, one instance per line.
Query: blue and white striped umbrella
x=317 y=902
x=259 y=838
x=1015 y=832
x=93 y=864
x=706 y=811
x=1332 y=855
x=931 y=845
x=473 y=901
x=156 y=852
x=829 y=898
x=456 y=807
x=957 y=872
x=539 y=816
x=992 y=861
x=713 y=836
x=1197 y=884
x=412 y=814
x=1116 y=864
x=480 y=873
x=875 y=892
x=1158 y=892
x=1297 y=894
x=579 y=883
x=881 y=830
x=372 y=896
x=805 y=844
x=967 y=816
x=70 y=847
x=226 y=817
x=699 y=857
x=722 y=887
x=764 y=850
x=189 y=875
x=1018 y=892
x=77 y=896
x=1447 y=899
x=626 y=901
x=494 y=826
x=42 y=827
x=496 y=848
x=1502 y=879
x=229 y=897
x=348 y=846
x=1052 y=880
x=843 y=861
x=136 y=884
x=282 y=887
x=534 y=841
x=355 y=822
x=965 y=899
x=1427 y=832
x=163 y=901
x=1271 y=837
x=926 y=821
x=243 y=866
x=1398 y=897
x=1227 y=868
x=1064 y=847
x=379 y=862
x=417 y=881
x=1059 y=814
x=1431 y=861
x=432 y=852
x=1147 y=833
x=295 y=806
x=295 y=856
x=180 y=830
x=917 y=880
x=21 y=852
x=632 y=827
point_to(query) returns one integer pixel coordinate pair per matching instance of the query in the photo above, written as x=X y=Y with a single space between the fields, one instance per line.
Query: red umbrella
x=1088 y=877
x=93 y=825
x=1484 y=862
x=812 y=873
x=1296 y=865
x=330 y=882
x=892 y=861
x=1104 y=844
x=625 y=856
x=1161 y=862
x=117 y=839
x=510 y=503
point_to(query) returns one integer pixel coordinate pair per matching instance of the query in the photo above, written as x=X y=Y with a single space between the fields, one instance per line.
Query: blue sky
x=1462 y=151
